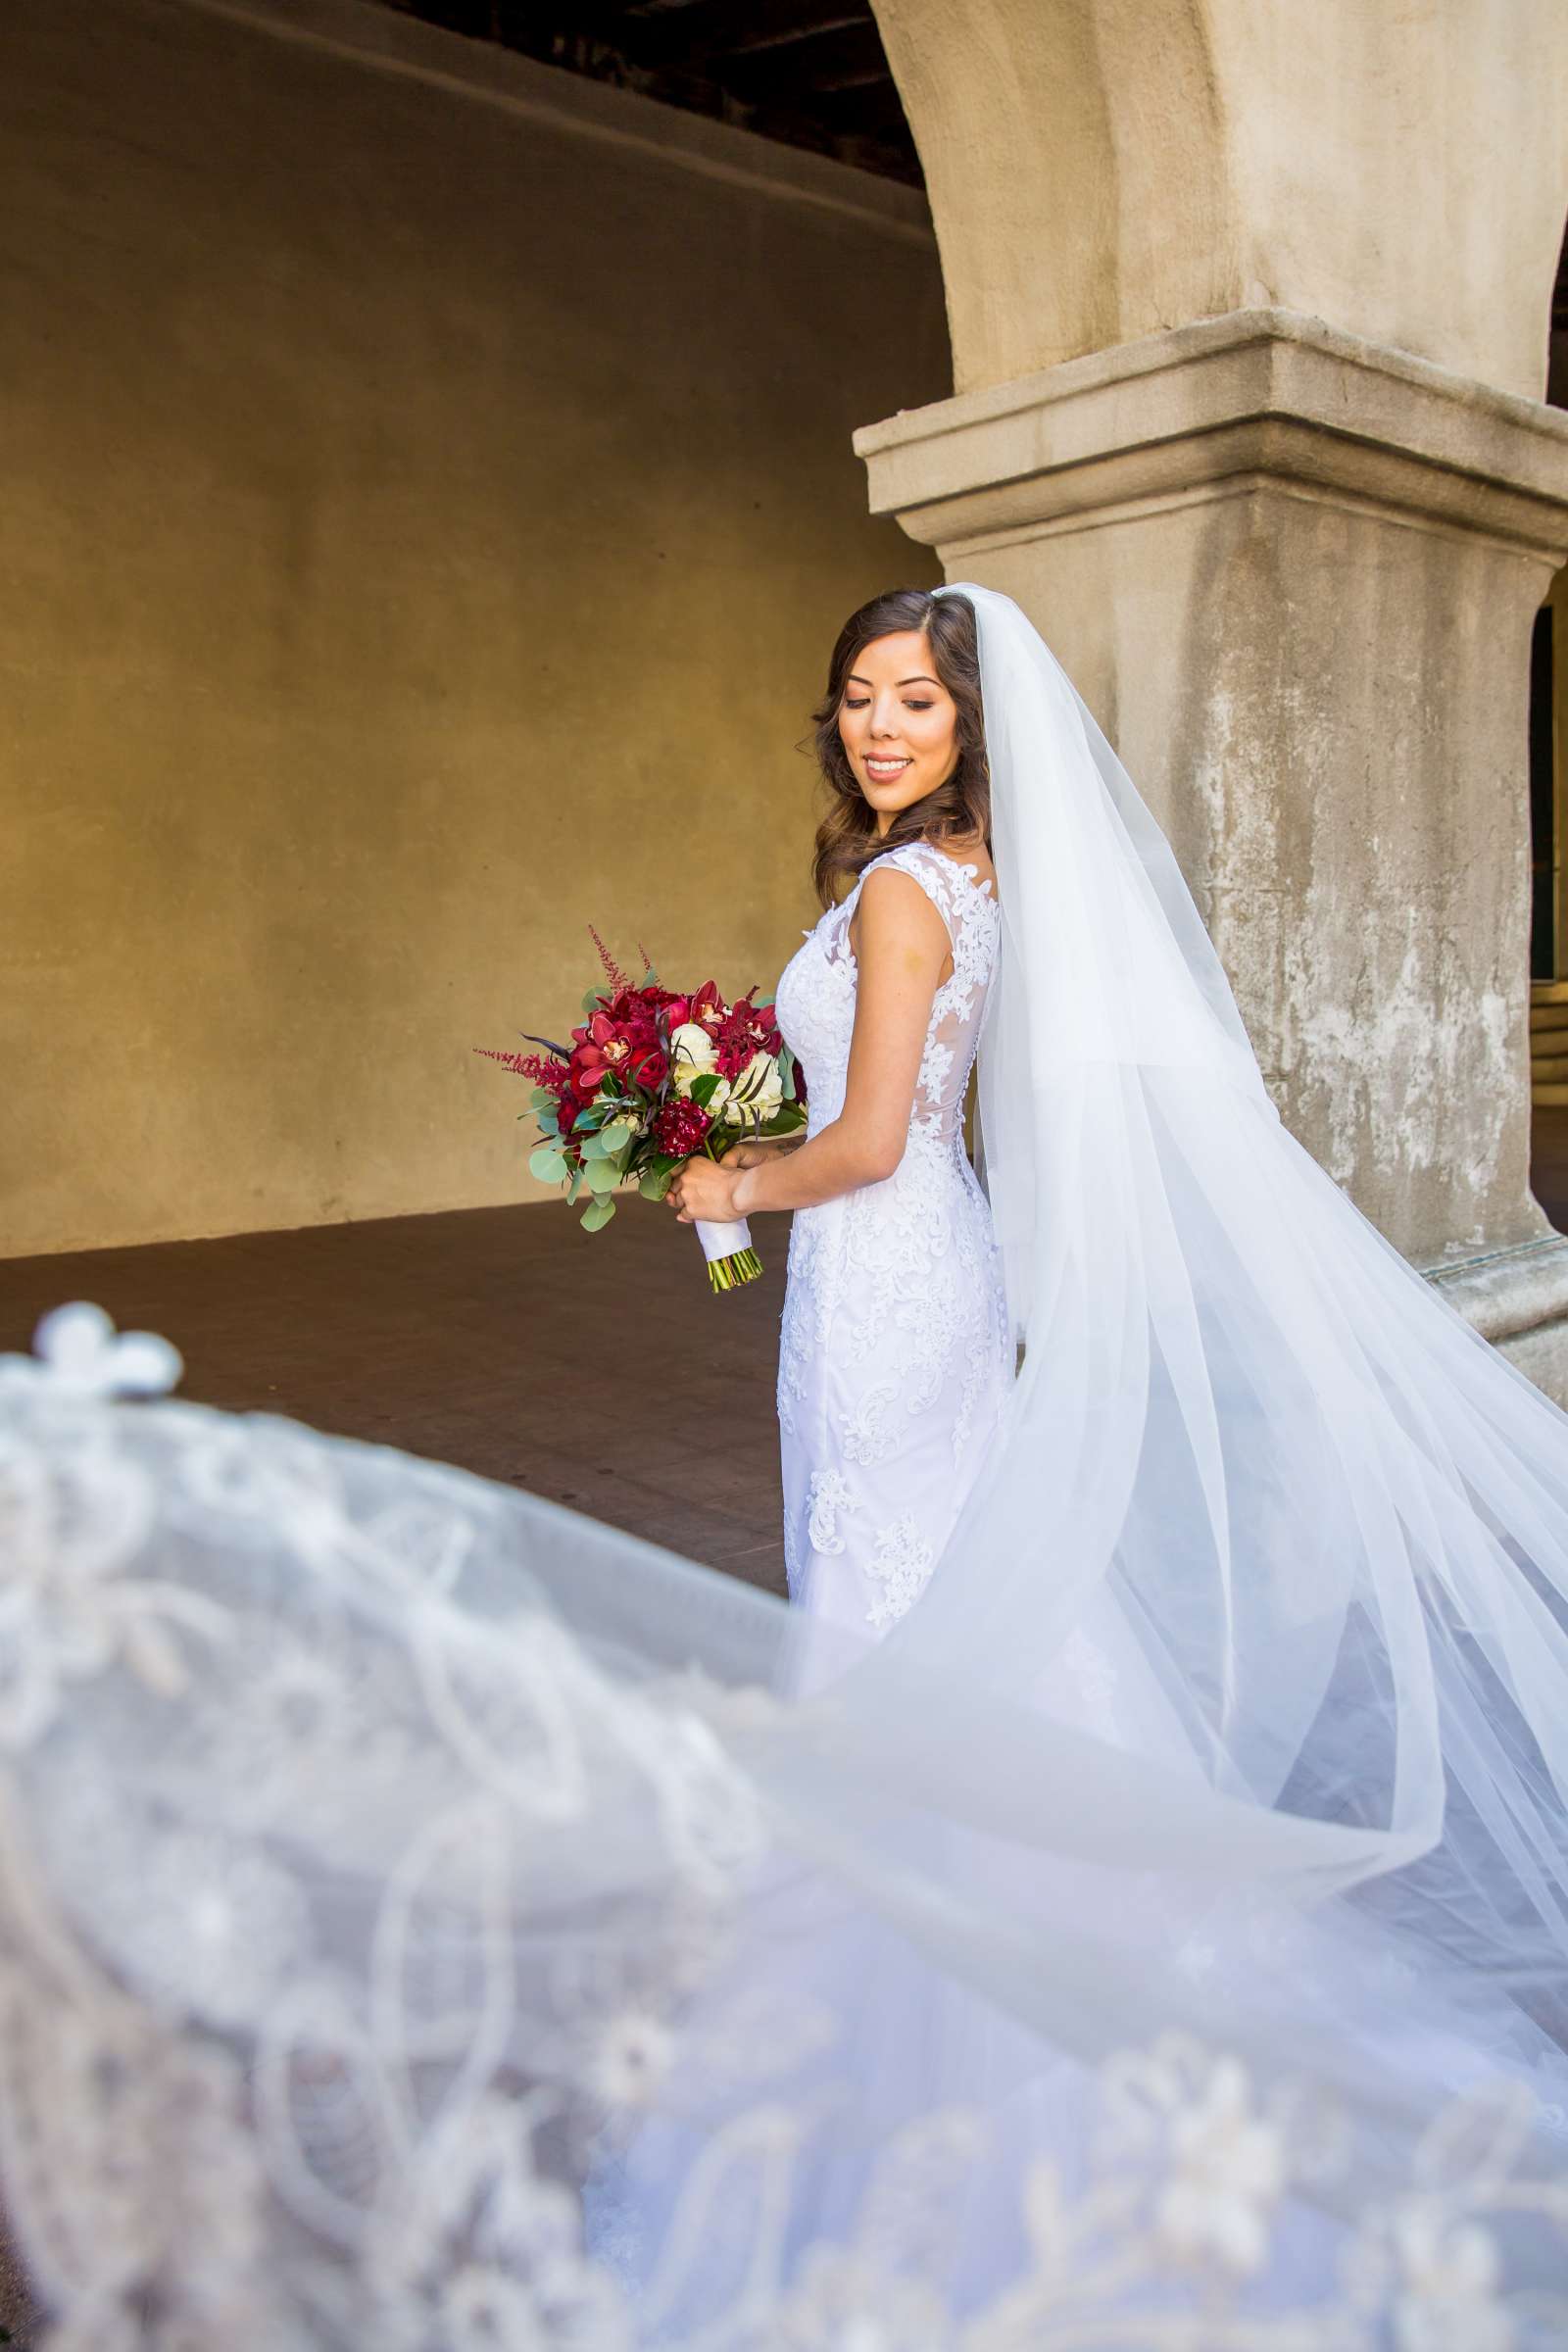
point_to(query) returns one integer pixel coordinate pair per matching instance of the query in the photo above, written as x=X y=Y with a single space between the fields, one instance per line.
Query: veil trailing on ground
x=432 y=1919
x=1315 y=1525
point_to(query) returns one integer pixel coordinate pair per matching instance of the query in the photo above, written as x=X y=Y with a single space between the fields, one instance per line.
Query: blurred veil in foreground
x=385 y=1855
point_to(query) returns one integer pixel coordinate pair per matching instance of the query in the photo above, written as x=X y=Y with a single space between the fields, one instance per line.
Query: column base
x=1518 y=1299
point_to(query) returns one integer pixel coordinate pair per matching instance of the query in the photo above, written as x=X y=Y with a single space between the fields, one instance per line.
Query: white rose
x=756 y=1094
x=692 y=1056
x=691 y=1053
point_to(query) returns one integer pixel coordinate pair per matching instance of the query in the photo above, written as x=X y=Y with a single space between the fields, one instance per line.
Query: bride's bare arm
x=901 y=948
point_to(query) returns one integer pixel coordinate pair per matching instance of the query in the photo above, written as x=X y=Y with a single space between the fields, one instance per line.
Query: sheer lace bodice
x=819 y=987
x=893 y=1357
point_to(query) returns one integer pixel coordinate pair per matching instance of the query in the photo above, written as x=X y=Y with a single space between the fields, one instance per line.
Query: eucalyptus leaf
x=548 y=1163
x=599 y=1211
x=601 y=1174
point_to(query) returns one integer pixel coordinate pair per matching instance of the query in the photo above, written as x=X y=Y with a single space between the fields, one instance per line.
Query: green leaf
x=575 y=1187
x=786 y=1063
x=704 y=1088
x=654 y=1183
x=601 y=1174
x=592 y=1001
x=599 y=1211
x=548 y=1162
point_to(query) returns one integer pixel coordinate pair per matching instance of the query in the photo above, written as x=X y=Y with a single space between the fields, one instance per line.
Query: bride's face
x=897 y=723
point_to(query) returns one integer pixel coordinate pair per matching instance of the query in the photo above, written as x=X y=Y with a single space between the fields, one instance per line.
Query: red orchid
x=707 y=1006
x=602 y=1048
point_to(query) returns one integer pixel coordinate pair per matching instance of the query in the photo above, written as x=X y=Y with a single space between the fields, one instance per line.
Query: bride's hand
x=706 y=1189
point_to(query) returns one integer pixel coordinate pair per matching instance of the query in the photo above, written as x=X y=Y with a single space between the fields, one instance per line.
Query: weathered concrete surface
x=426 y=505
x=1100 y=169
x=1295 y=577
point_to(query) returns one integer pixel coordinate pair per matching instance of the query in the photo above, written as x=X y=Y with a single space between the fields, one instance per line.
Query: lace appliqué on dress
x=829 y=1494
x=903 y=1561
x=893 y=1355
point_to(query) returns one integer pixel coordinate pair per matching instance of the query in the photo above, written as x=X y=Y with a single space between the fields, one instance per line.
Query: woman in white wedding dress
x=385 y=1853
x=895 y=1357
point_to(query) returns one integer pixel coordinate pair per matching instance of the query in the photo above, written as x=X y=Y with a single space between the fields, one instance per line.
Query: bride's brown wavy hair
x=847 y=839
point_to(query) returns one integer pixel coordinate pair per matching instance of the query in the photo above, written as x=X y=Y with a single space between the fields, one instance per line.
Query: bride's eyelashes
x=859 y=703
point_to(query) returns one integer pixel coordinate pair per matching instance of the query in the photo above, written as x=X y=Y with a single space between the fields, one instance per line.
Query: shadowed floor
x=599 y=1371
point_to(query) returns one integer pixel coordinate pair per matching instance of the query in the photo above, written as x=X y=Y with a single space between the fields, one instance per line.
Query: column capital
x=1217 y=406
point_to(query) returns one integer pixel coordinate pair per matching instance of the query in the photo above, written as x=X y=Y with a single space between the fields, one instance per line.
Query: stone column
x=1292 y=565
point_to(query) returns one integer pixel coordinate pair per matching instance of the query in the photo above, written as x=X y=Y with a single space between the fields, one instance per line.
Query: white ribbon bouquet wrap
x=721 y=1242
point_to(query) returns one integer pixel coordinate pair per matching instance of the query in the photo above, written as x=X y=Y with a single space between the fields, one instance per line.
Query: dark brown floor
x=1549 y=1164
x=600 y=1371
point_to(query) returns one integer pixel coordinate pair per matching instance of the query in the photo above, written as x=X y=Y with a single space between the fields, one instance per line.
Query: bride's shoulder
x=965 y=855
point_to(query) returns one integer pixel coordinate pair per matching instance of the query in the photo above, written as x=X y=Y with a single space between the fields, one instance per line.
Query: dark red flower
x=680 y=1126
x=603 y=1048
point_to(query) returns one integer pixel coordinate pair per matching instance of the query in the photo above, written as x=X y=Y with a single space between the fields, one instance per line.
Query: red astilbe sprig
x=618 y=980
x=528 y=1065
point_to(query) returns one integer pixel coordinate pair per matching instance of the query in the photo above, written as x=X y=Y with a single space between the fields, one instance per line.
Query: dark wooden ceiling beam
x=808 y=72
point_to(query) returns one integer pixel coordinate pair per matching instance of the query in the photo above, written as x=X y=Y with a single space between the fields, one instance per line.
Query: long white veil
x=1321 y=1525
x=430 y=1918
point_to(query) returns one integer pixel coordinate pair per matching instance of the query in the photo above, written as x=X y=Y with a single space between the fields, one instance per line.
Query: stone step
x=1550 y=1095
x=1548 y=1069
x=1546 y=1018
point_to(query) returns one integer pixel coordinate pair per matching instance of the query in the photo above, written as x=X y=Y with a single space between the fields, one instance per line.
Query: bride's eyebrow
x=854 y=679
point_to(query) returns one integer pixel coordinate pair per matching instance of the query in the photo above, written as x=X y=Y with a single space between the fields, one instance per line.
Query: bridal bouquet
x=651 y=1079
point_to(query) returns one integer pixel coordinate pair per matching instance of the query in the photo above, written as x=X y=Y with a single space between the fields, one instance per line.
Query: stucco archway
x=1248 y=321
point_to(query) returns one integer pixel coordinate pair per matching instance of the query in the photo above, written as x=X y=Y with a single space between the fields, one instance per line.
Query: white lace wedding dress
x=894 y=1355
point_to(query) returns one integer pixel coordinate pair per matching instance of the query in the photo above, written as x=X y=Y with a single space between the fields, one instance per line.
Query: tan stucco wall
x=426 y=504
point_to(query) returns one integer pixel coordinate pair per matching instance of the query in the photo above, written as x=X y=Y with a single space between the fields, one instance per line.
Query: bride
x=895 y=1357
x=1123 y=1901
